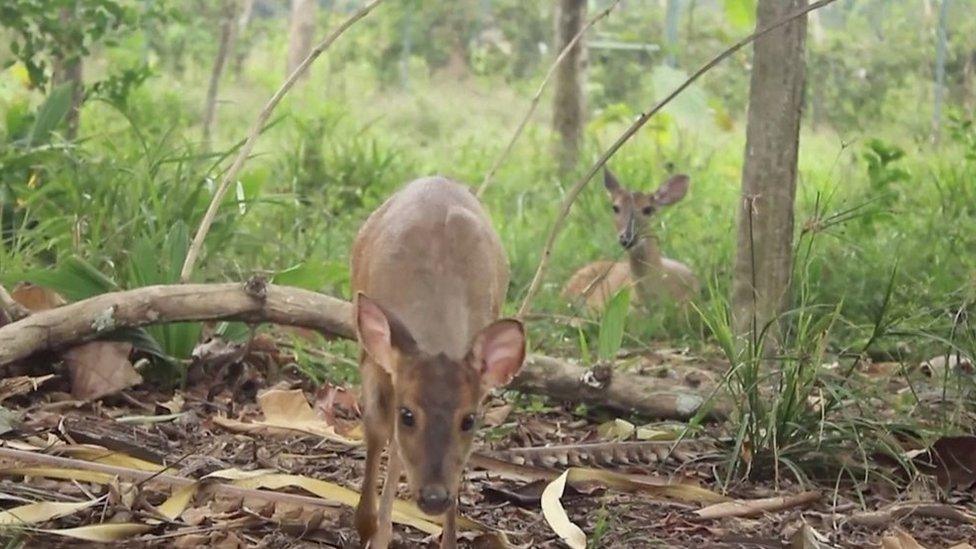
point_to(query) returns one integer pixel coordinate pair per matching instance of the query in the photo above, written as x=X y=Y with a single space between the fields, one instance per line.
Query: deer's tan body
x=430 y=277
x=654 y=277
x=430 y=256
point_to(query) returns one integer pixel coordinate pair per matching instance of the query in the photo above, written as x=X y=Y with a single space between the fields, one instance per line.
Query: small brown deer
x=430 y=276
x=654 y=276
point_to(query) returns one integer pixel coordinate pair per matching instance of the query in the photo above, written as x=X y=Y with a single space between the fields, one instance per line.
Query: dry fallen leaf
x=33 y=513
x=494 y=417
x=100 y=368
x=238 y=474
x=951 y=459
x=178 y=501
x=103 y=533
x=80 y=475
x=618 y=429
x=808 y=538
x=556 y=516
x=626 y=483
x=97 y=454
x=650 y=432
x=288 y=411
x=900 y=540
x=403 y=512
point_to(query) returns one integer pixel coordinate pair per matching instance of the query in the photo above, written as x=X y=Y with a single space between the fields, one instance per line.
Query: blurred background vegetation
x=887 y=189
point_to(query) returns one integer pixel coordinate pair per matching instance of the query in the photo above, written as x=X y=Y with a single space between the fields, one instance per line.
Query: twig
x=749 y=508
x=245 y=151
x=538 y=95
x=567 y=203
x=893 y=513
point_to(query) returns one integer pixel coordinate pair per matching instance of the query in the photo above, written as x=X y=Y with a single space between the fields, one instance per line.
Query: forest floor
x=219 y=426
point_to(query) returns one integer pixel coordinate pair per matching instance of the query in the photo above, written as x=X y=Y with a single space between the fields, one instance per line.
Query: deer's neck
x=645 y=256
x=645 y=266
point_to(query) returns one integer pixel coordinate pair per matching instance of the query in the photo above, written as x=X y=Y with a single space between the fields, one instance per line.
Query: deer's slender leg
x=449 y=535
x=384 y=531
x=366 y=510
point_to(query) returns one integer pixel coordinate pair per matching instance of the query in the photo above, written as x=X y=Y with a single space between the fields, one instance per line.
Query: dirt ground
x=186 y=430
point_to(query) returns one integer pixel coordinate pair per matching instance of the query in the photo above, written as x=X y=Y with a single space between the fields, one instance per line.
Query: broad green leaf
x=612 y=325
x=304 y=275
x=50 y=114
x=741 y=13
x=74 y=278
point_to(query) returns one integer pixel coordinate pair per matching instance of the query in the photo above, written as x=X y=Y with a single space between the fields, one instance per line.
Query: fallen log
x=257 y=301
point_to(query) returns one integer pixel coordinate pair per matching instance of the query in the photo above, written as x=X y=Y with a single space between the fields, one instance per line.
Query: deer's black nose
x=627 y=239
x=434 y=499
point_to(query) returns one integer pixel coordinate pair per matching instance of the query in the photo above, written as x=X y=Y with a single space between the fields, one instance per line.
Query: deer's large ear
x=374 y=332
x=672 y=190
x=610 y=181
x=498 y=352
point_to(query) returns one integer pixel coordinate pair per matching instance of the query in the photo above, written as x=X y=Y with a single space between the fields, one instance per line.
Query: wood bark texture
x=301 y=32
x=228 y=34
x=256 y=301
x=569 y=101
x=763 y=263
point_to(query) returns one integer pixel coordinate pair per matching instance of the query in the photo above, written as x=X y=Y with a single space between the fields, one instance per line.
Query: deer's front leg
x=366 y=510
x=449 y=534
x=384 y=530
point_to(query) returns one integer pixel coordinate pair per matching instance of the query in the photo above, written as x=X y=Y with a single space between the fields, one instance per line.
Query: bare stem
x=538 y=95
x=570 y=198
x=245 y=151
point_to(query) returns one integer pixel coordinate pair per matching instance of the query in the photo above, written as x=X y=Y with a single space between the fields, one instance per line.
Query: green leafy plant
x=612 y=325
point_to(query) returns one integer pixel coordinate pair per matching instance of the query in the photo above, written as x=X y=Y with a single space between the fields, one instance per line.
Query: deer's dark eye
x=648 y=210
x=467 y=423
x=406 y=417
x=616 y=209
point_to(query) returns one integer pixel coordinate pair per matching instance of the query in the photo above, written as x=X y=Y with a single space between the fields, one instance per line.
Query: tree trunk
x=940 y=63
x=240 y=54
x=228 y=32
x=301 y=30
x=672 y=14
x=69 y=71
x=569 y=103
x=763 y=263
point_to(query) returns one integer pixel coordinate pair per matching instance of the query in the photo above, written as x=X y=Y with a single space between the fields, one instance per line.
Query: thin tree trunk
x=940 y=62
x=672 y=14
x=569 y=107
x=228 y=32
x=301 y=30
x=763 y=263
x=69 y=71
x=240 y=54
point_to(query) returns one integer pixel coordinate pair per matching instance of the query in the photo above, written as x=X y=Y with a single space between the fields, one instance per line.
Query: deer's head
x=437 y=399
x=632 y=209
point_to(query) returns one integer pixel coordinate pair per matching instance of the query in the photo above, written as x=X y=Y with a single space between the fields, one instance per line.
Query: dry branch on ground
x=256 y=302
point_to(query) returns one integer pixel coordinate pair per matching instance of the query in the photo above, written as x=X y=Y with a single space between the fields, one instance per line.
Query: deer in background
x=654 y=276
x=430 y=276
